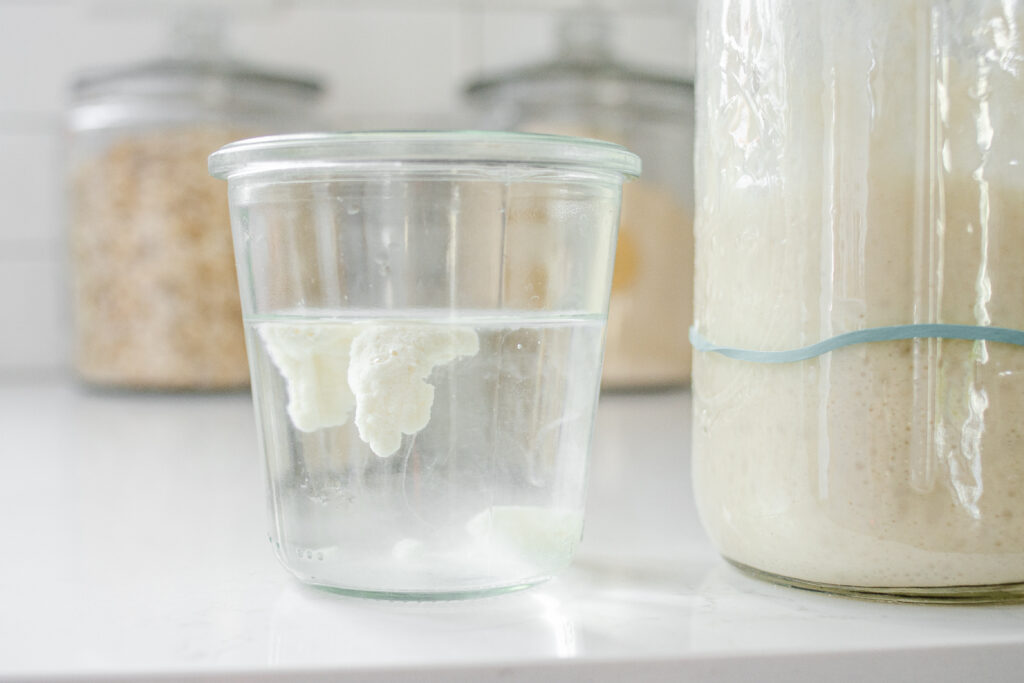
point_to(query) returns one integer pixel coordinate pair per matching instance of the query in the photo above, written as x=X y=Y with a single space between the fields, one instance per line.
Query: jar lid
x=196 y=60
x=585 y=71
x=185 y=89
x=195 y=81
x=186 y=76
x=357 y=151
x=594 y=74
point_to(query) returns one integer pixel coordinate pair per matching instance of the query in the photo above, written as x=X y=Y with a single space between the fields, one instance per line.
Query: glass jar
x=154 y=290
x=586 y=92
x=425 y=314
x=859 y=165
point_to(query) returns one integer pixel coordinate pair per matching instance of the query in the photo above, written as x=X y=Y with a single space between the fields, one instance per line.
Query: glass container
x=154 y=292
x=586 y=91
x=859 y=269
x=425 y=317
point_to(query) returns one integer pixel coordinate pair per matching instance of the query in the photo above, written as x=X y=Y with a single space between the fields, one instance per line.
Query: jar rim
x=360 y=149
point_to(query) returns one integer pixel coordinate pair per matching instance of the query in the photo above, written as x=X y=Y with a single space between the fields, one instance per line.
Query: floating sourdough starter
x=380 y=369
x=870 y=179
x=413 y=450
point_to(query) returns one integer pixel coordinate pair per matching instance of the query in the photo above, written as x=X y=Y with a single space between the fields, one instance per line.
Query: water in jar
x=425 y=452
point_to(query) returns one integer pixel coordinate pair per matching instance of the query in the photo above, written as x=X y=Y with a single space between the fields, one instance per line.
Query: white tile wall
x=388 y=64
x=30 y=212
x=389 y=60
x=33 y=328
x=43 y=43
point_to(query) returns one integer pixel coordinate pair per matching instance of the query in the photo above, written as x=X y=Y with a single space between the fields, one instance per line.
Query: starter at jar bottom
x=825 y=493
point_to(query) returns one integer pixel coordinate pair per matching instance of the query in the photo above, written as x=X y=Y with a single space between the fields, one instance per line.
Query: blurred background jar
x=154 y=291
x=585 y=91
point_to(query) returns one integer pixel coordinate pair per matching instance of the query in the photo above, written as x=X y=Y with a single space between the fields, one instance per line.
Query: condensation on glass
x=859 y=164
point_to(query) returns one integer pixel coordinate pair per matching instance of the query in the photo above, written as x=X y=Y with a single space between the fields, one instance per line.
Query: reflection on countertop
x=135 y=534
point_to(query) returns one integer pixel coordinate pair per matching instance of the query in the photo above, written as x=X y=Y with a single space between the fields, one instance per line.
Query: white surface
x=132 y=543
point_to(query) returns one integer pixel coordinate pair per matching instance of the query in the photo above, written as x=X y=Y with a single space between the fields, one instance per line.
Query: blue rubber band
x=1002 y=335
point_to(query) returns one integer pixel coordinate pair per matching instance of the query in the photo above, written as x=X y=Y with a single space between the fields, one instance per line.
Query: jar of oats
x=154 y=293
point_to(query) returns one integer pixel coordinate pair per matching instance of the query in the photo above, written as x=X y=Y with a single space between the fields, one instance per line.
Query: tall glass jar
x=154 y=290
x=585 y=91
x=859 y=170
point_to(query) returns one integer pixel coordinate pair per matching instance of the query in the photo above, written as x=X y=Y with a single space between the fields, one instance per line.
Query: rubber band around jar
x=1001 y=335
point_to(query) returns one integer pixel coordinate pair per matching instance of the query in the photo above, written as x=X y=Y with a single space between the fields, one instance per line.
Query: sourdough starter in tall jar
x=859 y=165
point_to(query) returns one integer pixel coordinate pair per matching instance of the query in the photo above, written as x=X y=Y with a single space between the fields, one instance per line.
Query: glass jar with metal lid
x=586 y=91
x=154 y=290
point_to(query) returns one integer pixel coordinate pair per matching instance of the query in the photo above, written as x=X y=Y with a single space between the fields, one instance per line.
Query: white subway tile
x=31 y=190
x=662 y=42
x=32 y=300
x=403 y=61
x=511 y=39
x=45 y=44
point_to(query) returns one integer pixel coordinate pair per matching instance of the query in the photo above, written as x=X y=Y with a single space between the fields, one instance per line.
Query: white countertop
x=133 y=544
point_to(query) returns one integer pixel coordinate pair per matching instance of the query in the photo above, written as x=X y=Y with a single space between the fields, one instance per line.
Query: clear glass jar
x=586 y=92
x=154 y=290
x=425 y=317
x=859 y=165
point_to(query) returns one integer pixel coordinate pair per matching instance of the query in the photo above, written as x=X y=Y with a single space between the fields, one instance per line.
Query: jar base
x=956 y=595
x=427 y=596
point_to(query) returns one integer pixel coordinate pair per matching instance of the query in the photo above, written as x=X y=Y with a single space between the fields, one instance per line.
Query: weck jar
x=425 y=315
x=859 y=379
